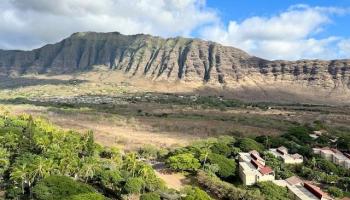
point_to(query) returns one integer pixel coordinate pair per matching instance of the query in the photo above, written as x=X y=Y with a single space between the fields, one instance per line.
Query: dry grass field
x=129 y=113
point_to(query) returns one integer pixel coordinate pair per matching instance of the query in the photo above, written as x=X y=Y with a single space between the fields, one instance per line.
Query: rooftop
x=302 y=192
x=294 y=180
x=336 y=153
x=253 y=162
x=283 y=152
x=266 y=170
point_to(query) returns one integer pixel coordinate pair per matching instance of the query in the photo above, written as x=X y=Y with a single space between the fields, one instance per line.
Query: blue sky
x=240 y=10
x=271 y=29
x=265 y=28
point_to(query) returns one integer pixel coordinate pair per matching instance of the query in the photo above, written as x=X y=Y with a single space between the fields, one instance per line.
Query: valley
x=132 y=113
x=138 y=117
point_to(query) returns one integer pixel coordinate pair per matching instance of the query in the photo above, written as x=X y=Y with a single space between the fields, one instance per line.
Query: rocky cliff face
x=189 y=60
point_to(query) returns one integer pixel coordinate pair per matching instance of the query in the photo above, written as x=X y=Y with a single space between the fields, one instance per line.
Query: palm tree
x=42 y=167
x=206 y=151
x=69 y=166
x=146 y=172
x=130 y=163
x=21 y=175
x=42 y=141
x=4 y=161
x=89 y=168
x=4 y=158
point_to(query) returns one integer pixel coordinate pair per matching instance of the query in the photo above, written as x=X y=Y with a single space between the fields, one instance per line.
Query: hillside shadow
x=18 y=82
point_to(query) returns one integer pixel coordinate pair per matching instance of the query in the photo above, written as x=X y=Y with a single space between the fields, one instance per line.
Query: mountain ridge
x=177 y=59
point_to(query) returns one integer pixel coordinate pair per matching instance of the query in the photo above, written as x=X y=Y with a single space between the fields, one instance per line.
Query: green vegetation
x=225 y=190
x=150 y=196
x=272 y=191
x=282 y=171
x=215 y=164
x=134 y=185
x=195 y=193
x=40 y=161
x=183 y=162
x=336 y=192
x=61 y=187
x=247 y=144
x=227 y=167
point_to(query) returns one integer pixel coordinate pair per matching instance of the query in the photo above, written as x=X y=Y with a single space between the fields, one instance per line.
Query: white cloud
x=344 y=47
x=288 y=35
x=30 y=23
x=292 y=34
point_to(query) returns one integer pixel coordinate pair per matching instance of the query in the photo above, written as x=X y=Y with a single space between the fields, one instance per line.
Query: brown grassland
x=130 y=113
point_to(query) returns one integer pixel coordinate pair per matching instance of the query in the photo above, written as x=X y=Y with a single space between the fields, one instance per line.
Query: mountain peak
x=174 y=59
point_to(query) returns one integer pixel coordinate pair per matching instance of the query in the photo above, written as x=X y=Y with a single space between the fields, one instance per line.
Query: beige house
x=282 y=152
x=252 y=169
x=301 y=190
x=334 y=156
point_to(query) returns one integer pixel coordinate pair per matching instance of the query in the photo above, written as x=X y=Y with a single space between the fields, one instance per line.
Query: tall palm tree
x=21 y=175
x=42 y=167
x=130 y=163
x=4 y=161
x=206 y=152
x=146 y=172
x=68 y=166
x=89 y=168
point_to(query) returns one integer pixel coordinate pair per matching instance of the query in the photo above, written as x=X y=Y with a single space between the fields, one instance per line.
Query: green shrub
x=87 y=196
x=59 y=187
x=343 y=143
x=194 y=193
x=273 y=192
x=150 y=196
x=336 y=192
x=148 y=151
x=2 y=123
x=247 y=144
x=327 y=166
x=227 y=167
x=221 y=148
x=224 y=190
x=183 y=162
x=134 y=185
x=299 y=134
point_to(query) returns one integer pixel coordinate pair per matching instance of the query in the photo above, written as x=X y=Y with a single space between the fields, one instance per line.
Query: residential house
x=334 y=156
x=252 y=168
x=302 y=190
x=282 y=152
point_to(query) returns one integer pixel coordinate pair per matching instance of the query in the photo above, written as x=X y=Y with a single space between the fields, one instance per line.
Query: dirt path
x=173 y=180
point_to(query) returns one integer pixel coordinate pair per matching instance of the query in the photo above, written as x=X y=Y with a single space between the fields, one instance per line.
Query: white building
x=252 y=168
x=302 y=190
x=282 y=152
x=334 y=156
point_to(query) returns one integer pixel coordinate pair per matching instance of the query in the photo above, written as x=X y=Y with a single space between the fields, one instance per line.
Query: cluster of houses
x=334 y=156
x=252 y=169
x=302 y=190
x=282 y=152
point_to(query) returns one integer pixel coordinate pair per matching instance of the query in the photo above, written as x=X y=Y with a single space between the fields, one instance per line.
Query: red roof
x=314 y=190
x=266 y=170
